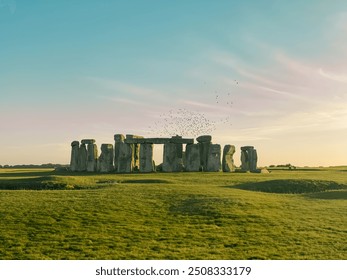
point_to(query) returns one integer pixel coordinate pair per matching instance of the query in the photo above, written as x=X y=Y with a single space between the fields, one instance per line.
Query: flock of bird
x=190 y=123
x=183 y=122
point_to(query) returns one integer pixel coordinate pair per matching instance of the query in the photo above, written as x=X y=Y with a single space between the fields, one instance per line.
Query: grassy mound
x=49 y=182
x=291 y=186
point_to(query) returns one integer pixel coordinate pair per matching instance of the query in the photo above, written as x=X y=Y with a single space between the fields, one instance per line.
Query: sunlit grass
x=48 y=215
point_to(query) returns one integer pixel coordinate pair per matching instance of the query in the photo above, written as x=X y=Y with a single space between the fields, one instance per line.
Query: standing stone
x=125 y=158
x=118 y=138
x=146 y=158
x=228 y=161
x=136 y=152
x=105 y=162
x=249 y=159
x=192 y=162
x=82 y=158
x=172 y=158
x=74 y=155
x=92 y=158
x=204 y=146
x=254 y=160
x=214 y=158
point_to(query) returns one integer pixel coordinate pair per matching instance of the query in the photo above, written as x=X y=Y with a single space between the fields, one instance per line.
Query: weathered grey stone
x=74 y=155
x=124 y=157
x=204 y=139
x=132 y=136
x=88 y=141
x=172 y=158
x=105 y=162
x=92 y=157
x=136 y=157
x=245 y=148
x=192 y=155
x=228 y=161
x=214 y=158
x=204 y=148
x=118 y=138
x=136 y=151
x=146 y=158
x=249 y=159
x=253 y=161
x=82 y=158
x=159 y=140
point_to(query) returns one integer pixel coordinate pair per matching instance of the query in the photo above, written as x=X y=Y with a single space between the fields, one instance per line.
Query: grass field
x=299 y=214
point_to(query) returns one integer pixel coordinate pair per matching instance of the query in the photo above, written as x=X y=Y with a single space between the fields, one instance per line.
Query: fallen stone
x=264 y=171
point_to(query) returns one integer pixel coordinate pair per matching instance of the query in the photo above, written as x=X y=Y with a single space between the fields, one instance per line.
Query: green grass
x=293 y=214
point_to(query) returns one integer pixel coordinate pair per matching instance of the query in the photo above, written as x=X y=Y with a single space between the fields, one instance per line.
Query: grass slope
x=281 y=215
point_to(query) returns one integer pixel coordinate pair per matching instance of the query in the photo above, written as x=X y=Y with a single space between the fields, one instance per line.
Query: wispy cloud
x=126 y=88
x=341 y=77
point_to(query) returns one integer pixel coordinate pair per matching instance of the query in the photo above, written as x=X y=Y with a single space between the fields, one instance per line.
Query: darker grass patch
x=338 y=194
x=145 y=181
x=291 y=186
x=20 y=174
x=199 y=206
x=40 y=183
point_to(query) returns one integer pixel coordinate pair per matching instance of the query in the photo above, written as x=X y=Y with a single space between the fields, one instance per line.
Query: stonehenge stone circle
x=228 y=161
x=133 y=153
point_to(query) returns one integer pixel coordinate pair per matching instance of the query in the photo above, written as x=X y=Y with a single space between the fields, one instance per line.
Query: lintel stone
x=159 y=141
x=88 y=141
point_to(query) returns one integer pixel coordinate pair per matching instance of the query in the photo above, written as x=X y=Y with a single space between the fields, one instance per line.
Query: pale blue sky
x=89 y=69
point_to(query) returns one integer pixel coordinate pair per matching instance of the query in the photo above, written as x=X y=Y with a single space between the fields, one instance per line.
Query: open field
x=287 y=214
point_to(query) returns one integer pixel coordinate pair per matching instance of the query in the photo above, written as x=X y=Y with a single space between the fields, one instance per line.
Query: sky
x=270 y=74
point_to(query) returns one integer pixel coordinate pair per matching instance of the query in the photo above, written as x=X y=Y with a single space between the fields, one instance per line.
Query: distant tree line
x=288 y=165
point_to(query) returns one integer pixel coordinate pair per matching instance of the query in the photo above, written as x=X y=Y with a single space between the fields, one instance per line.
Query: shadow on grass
x=339 y=194
x=38 y=173
x=41 y=183
x=290 y=186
